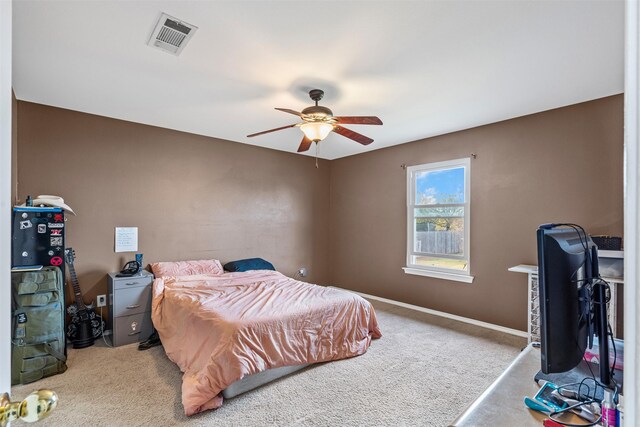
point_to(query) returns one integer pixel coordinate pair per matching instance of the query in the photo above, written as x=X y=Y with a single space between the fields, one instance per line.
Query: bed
x=228 y=332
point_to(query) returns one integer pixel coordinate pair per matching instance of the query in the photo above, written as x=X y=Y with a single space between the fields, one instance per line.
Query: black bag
x=38 y=343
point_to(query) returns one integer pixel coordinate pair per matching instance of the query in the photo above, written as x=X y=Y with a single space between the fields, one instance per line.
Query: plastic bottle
x=609 y=412
x=620 y=408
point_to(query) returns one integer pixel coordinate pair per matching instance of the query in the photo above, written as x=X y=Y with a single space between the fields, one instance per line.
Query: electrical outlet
x=101 y=300
x=302 y=272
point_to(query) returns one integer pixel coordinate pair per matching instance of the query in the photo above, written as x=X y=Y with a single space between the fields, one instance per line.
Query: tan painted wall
x=559 y=165
x=198 y=197
x=192 y=197
x=14 y=147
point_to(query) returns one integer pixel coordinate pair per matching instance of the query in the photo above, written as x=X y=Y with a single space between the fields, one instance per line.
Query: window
x=438 y=220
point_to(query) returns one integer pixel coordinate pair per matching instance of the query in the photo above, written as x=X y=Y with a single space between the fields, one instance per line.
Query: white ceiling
x=424 y=67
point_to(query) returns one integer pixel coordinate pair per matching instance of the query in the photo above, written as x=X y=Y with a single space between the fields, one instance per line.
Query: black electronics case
x=38 y=237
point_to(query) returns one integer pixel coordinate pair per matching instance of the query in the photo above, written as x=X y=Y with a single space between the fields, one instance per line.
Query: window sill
x=439 y=274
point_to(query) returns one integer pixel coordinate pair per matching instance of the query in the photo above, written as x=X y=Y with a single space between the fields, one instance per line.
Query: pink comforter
x=220 y=328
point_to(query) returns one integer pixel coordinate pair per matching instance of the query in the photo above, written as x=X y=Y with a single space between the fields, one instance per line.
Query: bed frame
x=261 y=378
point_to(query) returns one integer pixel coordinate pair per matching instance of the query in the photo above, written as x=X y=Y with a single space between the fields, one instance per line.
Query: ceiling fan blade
x=359 y=120
x=286 y=110
x=271 y=130
x=364 y=140
x=304 y=145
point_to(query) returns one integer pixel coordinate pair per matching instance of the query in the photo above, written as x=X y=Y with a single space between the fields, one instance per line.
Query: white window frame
x=438 y=272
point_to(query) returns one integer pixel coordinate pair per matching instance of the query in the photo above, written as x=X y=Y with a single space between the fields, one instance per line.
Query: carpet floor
x=424 y=371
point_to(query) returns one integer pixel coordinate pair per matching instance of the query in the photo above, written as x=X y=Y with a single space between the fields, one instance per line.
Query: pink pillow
x=187 y=268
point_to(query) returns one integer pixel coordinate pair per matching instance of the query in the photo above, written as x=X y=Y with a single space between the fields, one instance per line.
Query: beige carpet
x=424 y=371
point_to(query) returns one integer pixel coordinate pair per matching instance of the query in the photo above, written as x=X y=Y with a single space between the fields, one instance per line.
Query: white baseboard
x=486 y=325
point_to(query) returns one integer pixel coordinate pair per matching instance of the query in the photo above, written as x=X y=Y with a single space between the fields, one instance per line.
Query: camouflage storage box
x=38 y=341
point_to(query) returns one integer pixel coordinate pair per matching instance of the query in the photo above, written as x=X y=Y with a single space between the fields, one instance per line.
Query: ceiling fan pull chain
x=317 y=155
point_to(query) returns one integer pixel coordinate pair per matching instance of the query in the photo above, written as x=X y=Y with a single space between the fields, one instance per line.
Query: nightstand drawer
x=130 y=329
x=131 y=301
x=131 y=282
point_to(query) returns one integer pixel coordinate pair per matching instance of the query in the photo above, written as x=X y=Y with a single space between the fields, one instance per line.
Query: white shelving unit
x=609 y=272
x=533 y=303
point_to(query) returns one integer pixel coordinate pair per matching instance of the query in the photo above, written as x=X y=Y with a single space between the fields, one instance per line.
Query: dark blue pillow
x=248 y=264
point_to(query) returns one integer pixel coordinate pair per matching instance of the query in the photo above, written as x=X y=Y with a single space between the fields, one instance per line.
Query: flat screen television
x=572 y=300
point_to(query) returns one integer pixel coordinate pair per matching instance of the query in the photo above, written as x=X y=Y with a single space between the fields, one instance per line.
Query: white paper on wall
x=126 y=239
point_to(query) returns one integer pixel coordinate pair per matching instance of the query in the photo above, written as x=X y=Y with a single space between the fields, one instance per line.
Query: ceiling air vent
x=171 y=34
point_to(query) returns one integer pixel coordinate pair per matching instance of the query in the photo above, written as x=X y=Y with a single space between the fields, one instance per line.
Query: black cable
x=615 y=359
x=578 y=392
x=584 y=242
x=575 y=425
x=577 y=405
x=596 y=384
x=586 y=396
x=587 y=281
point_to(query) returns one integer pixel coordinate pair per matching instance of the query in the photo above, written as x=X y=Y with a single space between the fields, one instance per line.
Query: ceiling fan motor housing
x=317 y=113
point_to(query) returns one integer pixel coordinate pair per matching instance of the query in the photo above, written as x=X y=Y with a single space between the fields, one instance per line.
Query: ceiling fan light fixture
x=316 y=131
x=318 y=122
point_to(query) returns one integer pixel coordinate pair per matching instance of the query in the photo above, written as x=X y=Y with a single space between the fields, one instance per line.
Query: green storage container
x=38 y=347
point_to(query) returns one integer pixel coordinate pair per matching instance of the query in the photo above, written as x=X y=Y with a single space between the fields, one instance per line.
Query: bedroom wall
x=192 y=197
x=260 y=202
x=556 y=166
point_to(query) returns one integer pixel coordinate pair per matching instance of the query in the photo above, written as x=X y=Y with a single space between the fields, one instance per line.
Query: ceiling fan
x=318 y=122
